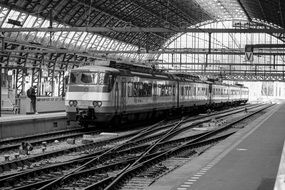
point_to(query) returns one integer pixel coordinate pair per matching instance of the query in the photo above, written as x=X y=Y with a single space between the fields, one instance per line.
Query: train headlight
x=95 y=103
x=70 y=103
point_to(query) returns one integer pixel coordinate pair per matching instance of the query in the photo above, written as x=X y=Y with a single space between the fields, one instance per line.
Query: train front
x=89 y=94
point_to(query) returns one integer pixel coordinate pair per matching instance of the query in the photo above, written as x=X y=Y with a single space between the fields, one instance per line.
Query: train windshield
x=92 y=78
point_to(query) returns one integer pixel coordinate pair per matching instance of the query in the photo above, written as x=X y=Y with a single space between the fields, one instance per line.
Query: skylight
x=223 y=9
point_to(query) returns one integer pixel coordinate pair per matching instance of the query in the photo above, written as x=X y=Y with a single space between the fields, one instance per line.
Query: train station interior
x=44 y=44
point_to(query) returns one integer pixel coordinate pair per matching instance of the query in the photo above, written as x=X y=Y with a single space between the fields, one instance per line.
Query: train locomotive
x=115 y=93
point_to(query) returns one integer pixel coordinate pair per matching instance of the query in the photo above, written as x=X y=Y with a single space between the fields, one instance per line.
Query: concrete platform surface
x=26 y=125
x=248 y=160
x=15 y=117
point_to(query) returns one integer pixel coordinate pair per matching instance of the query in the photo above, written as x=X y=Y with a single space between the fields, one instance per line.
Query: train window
x=86 y=78
x=154 y=91
x=158 y=90
x=73 y=77
x=130 y=89
x=101 y=78
x=189 y=91
x=166 y=90
x=135 y=89
x=147 y=89
x=141 y=91
x=162 y=90
x=95 y=78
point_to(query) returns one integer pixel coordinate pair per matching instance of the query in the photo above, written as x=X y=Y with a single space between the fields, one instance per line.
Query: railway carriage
x=120 y=92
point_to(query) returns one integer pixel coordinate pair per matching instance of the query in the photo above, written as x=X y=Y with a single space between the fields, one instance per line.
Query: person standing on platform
x=31 y=93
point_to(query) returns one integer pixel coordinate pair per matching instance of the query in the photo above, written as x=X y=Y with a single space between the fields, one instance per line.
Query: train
x=116 y=93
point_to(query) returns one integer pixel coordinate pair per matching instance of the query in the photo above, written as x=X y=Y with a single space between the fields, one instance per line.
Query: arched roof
x=137 y=13
x=117 y=13
x=271 y=11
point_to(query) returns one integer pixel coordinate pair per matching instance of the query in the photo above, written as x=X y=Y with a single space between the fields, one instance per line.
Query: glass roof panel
x=69 y=37
x=81 y=38
x=30 y=21
x=223 y=42
x=5 y=24
x=91 y=41
x=222 y=8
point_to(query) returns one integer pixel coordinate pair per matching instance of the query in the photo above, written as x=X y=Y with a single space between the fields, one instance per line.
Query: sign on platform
x=249 y=56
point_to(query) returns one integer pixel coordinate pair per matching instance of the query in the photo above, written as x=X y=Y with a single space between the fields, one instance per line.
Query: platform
x=23 y=125
x=248 y=160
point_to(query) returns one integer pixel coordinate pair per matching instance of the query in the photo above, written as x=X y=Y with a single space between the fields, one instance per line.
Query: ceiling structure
x=61 y=50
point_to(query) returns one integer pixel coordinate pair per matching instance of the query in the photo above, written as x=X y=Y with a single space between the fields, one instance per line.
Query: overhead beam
x=140 y=29
x=252 y=46
x=223 y=64
x=94 y=53
x=226 y=71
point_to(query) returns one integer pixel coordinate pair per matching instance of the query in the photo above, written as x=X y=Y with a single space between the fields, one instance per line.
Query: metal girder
x=51 y=72
x=94 y=53
x=21 y=72
x=144 y=29
x=229 y=71
x=247 y=77
x=281 y=13
x=61 y=72
x=104 y=18
x=225 y=64
x=5 y=58
x=36 y=78
x=43 y=48
x=37 y=71
x=253 y=46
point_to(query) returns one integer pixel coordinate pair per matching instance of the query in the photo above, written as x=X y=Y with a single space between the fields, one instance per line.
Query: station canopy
x=79 y=47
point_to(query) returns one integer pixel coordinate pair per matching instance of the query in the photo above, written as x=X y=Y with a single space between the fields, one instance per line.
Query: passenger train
x=112 y=92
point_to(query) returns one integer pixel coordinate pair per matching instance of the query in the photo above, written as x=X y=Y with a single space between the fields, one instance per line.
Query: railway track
x=110 y=159
x=47 y=158
x=35 y=140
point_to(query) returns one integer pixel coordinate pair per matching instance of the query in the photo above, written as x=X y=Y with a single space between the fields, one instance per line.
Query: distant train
x=117 y=93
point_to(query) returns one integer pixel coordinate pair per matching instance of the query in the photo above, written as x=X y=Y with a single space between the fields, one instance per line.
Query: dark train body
x=120 y=92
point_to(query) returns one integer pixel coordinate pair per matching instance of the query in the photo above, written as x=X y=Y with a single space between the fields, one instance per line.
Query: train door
x=123 y=95
x=210 y=93
x=177 y=94
x=154 y=93
x=172 y=86
x=116 y=97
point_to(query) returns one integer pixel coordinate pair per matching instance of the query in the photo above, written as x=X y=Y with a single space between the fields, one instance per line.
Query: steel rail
x=120 y=177
x=137 y=137
x=139 y=148
x=21 y=162
x=65 y=177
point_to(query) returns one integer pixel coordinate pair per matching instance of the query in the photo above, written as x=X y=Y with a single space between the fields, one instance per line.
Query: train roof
x=145 y=71
x=96 y=68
